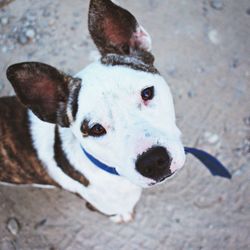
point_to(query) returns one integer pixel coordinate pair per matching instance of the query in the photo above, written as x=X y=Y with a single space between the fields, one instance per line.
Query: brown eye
x=147 y=94
x=97 y=130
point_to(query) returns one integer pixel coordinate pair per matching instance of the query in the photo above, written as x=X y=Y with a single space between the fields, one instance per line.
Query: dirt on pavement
x=202 y=48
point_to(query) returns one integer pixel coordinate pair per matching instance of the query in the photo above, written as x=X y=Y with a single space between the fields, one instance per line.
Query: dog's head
x=119 y=108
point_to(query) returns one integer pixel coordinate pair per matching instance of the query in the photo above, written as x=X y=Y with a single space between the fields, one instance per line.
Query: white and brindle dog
x=105 y=133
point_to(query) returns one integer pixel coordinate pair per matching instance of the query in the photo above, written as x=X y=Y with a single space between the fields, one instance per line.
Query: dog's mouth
x=162 y=179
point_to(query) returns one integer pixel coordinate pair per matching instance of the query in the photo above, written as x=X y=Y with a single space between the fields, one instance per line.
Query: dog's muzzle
x=155 y=164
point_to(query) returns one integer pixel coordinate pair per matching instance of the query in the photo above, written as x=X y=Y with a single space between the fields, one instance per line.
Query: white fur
x=108 y=193
x=27 y=185
x=145 y=38
x=110 y=95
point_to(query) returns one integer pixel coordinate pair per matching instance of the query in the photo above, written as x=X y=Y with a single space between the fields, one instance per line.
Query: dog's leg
x=123 y=218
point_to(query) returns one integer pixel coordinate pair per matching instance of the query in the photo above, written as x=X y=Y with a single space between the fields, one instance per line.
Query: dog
x=106 y=132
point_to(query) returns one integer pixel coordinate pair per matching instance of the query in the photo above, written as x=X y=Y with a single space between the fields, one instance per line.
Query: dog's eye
x=147 y=94
x=97 y=130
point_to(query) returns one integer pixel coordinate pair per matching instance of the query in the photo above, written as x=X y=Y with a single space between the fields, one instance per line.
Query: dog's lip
x=165 y=177
x=162 y=179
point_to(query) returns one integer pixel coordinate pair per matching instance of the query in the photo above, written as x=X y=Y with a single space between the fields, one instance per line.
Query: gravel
x=22 y=39
x=205 y=100
x=4 y=20
x=30 y=33
x=13 y=226
x=217 y=4
x=214 y=37
x=247 y=121
x=211 y=138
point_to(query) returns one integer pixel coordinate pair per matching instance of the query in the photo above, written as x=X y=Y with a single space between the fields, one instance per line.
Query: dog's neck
x=81 y=160
x=142 y=61
x=99 y=164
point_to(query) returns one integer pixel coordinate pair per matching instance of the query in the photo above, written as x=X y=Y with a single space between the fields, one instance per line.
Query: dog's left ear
x=44 y=90
x=115 y=30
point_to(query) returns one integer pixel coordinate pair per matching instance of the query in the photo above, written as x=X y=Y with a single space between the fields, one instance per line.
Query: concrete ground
x=202 y=47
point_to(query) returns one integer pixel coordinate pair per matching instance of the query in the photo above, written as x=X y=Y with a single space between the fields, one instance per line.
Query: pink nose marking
x=142 y=146
x=173 y=167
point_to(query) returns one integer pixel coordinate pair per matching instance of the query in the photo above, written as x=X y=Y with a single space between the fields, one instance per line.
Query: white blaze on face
x=111 y=96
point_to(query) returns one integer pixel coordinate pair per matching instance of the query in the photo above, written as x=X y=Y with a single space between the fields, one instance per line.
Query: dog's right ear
x=115 y=30
x=43 y=89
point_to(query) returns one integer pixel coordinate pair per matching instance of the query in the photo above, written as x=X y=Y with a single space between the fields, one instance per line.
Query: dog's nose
x=154 y=164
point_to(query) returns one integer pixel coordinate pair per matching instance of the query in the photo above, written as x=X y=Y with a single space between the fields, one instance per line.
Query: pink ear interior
x=115 y=30
x=114 y=33
x=141 y=39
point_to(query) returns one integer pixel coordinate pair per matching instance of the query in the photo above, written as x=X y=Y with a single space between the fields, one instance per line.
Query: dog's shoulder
x=18 y=160
x=10 y=104
x=12 y=113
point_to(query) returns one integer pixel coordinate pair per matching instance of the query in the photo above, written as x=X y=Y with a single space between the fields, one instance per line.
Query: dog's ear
x=115 y=30
x=43 y=89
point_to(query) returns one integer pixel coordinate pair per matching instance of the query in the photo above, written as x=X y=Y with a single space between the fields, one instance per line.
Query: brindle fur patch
x=18 y=160
x=143 y=62
x=74 y=86
x=63 y=162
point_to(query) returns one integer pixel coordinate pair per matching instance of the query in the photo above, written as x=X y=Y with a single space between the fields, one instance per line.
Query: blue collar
x=99 y=164
x=215 y=167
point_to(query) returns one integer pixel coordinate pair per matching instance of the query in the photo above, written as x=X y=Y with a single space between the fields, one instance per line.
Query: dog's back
x=18 y=161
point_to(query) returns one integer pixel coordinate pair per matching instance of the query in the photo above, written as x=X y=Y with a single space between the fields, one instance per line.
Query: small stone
x=247 y=121
x=238 y=172
x=30 y=16
x=172 y=71
x=62 y=63
x=51 y=22
x=201 y=69
x=4 y=20
x=13 y=226
x=30 y=33
x=11 y=47
x=170 y=208
x=246 y=147
x=241 y=170
x=217 y=4
x=4 y=49
x=22 y=38
x=211 y=138
x=177 y=220
x=213 y=36
x=46 y=13
x=40 y=223
x=204 y=10
x=191 y=93
x=235 y=63
x=74 y=47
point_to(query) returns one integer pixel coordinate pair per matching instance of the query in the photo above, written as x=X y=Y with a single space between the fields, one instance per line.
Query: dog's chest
x=113 y=197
